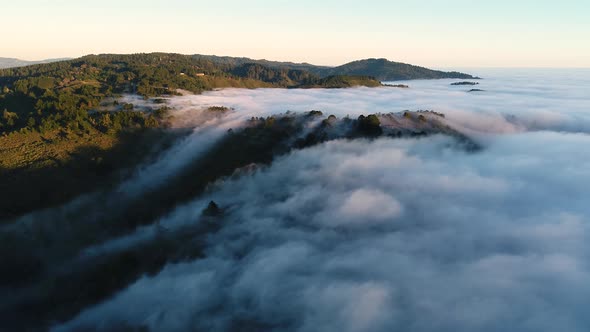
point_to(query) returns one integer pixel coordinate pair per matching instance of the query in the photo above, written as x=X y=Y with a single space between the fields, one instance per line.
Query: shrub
x=369 y=125
x=212 y=210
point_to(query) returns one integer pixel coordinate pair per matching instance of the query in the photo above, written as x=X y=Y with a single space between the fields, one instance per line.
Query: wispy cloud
x=408 y=235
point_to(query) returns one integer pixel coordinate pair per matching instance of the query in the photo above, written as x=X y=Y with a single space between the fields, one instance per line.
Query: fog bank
x=403 y=235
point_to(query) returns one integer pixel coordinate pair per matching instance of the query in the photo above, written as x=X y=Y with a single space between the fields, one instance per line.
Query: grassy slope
x=43 y=170
x=35 y=150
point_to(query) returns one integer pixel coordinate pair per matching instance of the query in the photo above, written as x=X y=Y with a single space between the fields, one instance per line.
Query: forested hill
x=381 y=69
x=385 y=70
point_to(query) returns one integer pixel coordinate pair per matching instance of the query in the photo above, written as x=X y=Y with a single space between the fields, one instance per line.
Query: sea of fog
x=386 y=234
x=543 y=99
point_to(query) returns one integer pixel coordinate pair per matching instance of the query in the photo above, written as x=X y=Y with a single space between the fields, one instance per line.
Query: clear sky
x=436 y=33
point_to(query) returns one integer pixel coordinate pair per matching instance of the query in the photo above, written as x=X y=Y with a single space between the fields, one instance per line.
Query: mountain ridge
x=380 y=68
x=6 y=63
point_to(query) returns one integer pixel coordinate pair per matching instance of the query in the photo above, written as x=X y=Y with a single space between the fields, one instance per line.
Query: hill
x=381 y=69
x=13 y=63
x=385 y=70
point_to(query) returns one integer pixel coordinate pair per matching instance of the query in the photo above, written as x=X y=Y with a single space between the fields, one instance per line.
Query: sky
x=435 y=33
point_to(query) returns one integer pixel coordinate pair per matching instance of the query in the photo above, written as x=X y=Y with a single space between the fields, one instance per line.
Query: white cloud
x=433 y=241
x=360 y=208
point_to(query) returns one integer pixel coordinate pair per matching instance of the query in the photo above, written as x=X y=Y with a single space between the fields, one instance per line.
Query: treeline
x=281 y=76
x=341 y=81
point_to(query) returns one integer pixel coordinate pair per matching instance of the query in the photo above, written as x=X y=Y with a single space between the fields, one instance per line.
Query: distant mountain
x=12 y=63
x=381 y=69
x=385 y=70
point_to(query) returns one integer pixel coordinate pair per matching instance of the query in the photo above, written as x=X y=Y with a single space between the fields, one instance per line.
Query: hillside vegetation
x=12 y=62
x=340 y=81
x=381 y=69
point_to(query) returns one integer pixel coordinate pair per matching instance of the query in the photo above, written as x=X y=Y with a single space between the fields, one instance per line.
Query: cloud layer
x=402 y=235
x=513 y=101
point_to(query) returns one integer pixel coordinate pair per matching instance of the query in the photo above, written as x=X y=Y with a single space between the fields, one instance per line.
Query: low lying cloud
x=552 y=100
x=384 y=235
x=364 y=207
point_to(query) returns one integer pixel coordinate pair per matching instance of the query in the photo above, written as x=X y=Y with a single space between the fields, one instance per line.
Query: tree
x=31 y=122
x=369 y=125
x=46 y=83
x=212 y=210
x=21 y=86
x=10 y=118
